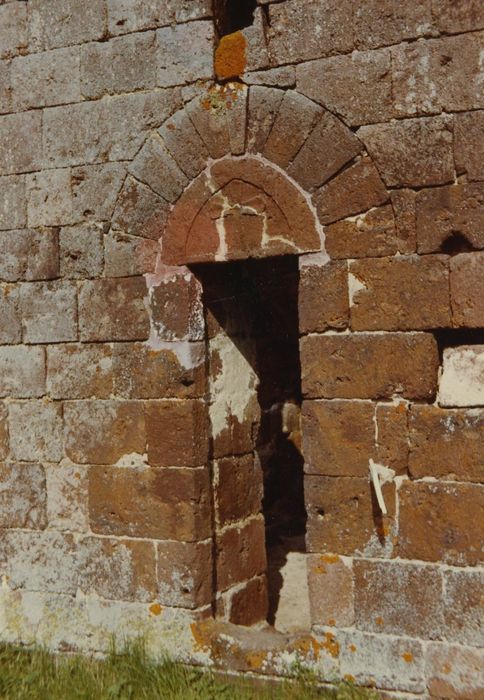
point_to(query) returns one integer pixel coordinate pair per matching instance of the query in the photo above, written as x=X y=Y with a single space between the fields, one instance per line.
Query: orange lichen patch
x=156 y=609
x=201 y=635
x=331 y=622
x=379 y=621
x=352 y=648
x=230 y=56
x=331 y=645
x=407 y=656
x=330 y=558
x=255 y=659
x=446 y=668
x=348 y=677
x=307 y=646
x=219 y=98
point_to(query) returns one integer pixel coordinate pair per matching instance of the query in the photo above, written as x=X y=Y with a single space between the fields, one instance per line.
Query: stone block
x=464 y=615
x=454 y=16
x=164 y=504
x=371 y=234
x=67 y=497
x=461 y=382
x=113 y=309
x=439 y=522
x=156 y=167
x=454 y=671
x=238 y=488
x=45 y=79
x=139 y=211
x=95 y=189
x=241 y=553
x=23 y=496
x=386 y=22
x=79 y=371
x=29 y=254
x=403 y=203
x=20 y=142
x=173 y=371
x=356 y=86
x=468 y=130
x=467 y=289
x=177 y=433
x=22 y=371
x=49 y=198
x=355 y=190
x=65 y=22
x=392 y=436
x=399 y=598
x=126 y=16
x=184 y=143
x=13 y=206
x=4 y=444
x=35 y=429
x=10 y=324
x=123 y=64
x=323 y=297
x=412 y=152
x=81 y=251
x=248 y=605
x=292 y=36
x=127 y=256
x=49 y=311
x=446 y=443
x=344 y=517
x=185 y=53
x=208 y=115
x=13 y=29
x=185 y=573
x=104 y=432
x=176 y=308
x=331 y=590
x=392 y=294
x=264 y=103
x=363 y=366
x=5 y=87
x=450 y=218
x=283 y=77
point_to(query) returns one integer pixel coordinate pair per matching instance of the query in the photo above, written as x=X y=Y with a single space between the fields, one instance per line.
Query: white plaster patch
x=355 y=286
x=462 y=379
x=293 y=614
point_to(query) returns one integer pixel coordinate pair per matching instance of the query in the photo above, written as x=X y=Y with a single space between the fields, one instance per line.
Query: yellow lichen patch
x=379 y=621
x=156 y=609
x=352 y=648
x=331 y=645
x=330 y=558
x=219 y=98
x=201 y=635
x=446 y=668
x=407 y=656
x=331 y=622
x=230 y=56
x=255 y=659
x=348 y=677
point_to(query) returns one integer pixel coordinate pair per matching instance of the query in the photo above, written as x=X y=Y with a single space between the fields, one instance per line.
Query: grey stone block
x=13 y=28
x=49 y=311
x=185 y=53
x=13 y=207
x=29 y=255
x=65 y=22
x=81 y=251
x=49 y=198
x=23 y=372
x=20 y=142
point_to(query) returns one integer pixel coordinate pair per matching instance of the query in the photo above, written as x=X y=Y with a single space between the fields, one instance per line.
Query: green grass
x=131 y=675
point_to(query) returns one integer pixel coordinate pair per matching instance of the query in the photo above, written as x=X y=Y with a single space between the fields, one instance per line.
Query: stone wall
x=348 y=134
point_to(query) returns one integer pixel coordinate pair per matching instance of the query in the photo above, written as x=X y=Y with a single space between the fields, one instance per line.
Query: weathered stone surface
x=264 y=103
x=385 y=22
x=125 y=16
x=81 y=251
x=44 y=79
x=95 y=189
x=292 y=36
x=67 y=503
x=35 y=429
x=13 y=29
x=22 y=372
x=241 y=553
x=49 y=311
x=139 y=211
x=450 y=218
x=10 y=324
x=29 y=255
x=363 y=366
x=176 y=308
x=344 y=517
x=453 y=16
x=104 y=432
x=165 y=504
x=49 y=198
x=357 y=86
x=399 y=598
x=392 y=436
x=23 y=496
x=4 y=446
x=156 y=167
x=65 y=22
x=323 y=297
x=185 y=53
x=238 y=488
x=446 y=443
x=392 y=294
x=454 y=671
x=439 y=522
x=464 y=615
x=468 y=144
x=248 y=605
x=177 y=433
x=185 y=573
x=20 y=142
x=284 y=77
x=5 y=87
x=467 y=289
x=403 y=203
x=79 y=371
x=13 y=207
x=331 y=590
x=113 y=309
x=371 y=234
x=412 y=152
x=329 y=146
x=184 y=143
x=462 y=379
x=208 y=115
x=129 y=255
x=354 y=190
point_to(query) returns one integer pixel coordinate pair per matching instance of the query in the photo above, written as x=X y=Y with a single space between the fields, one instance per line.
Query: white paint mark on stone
x=462 y=379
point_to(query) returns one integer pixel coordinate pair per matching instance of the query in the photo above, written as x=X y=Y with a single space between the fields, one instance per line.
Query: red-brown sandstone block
x=400 y=293
x=344 y=517
x=412 y=152
x=323 y=297
x=354 y=190
x=185 y=573
x=4 y=448
x=103 y=432
x=331 y=590
x=241 y=553
x=139 y=211
x=454 y=672
x=249 y=604
x=363 y=366
x=392 y=436
x=35 y=429
x=441 y=522
x=450 y=217
x=467 y=289
x=49 y=312
x=23 y=498
x=10 y=323
x=399 y=598
x=446 y=443
x=385 y=22
x=113 y=309
x=371 y=234
x=463 y=610
x=177 y=433
x=164 y=504
x=468 y=144
x=177 y=310
x=79 y=371
x=29 y=255
x=238 y=488
x=403 y=203
x=454 y=16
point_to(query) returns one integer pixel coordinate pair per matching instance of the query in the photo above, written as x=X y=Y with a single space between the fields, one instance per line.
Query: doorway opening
x=233 y=15
x=254 y=398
